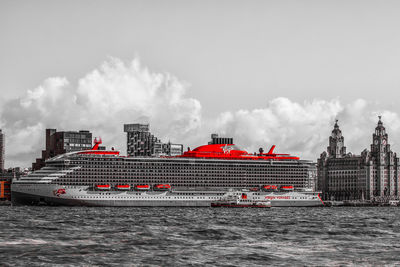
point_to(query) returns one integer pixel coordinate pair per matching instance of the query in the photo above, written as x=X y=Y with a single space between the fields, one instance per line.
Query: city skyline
x=206 y=133
x=194 y=69
x=323 y=149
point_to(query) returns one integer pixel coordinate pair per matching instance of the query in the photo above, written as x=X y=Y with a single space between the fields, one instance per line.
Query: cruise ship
x=196 y=178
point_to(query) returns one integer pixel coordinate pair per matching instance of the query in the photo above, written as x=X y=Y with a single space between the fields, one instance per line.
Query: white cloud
x=293 y=127
x=102 y=102
x=304 y=128
x=117 y=93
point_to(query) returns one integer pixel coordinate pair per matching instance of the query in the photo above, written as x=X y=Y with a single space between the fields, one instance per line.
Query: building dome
x=336 y=132
x=380 y=127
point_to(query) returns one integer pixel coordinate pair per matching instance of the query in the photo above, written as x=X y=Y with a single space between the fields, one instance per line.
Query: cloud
x=304 y=128
x=103 y=100
x=118 y=92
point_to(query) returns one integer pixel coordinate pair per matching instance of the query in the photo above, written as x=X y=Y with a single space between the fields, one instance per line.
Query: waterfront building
x=58 y=143
x=373 y=175
x=2 y=145
x=6 y=178
x=142 y=143
x=5 y=187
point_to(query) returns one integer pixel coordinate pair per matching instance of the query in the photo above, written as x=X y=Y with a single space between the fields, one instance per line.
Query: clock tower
x=384 y=176
x=374 y=175
x=380 y=140
x=336 y=148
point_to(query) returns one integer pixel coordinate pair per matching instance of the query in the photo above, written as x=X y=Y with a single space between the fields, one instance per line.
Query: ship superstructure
x=104 y=178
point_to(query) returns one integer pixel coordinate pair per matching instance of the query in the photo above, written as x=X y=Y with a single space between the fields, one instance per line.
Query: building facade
x=172 y=149
x=142 y=143
x=6 y=178
x=373 y=175
x=2 y=148
x=58 y=143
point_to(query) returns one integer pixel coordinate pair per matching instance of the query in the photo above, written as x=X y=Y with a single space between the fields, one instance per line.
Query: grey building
x=2 y=145
x=170 y=149
x=142 y=143
x=373 y=175
x=63 y=142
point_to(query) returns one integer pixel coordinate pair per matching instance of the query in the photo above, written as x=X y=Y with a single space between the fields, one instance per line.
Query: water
x=83 y=236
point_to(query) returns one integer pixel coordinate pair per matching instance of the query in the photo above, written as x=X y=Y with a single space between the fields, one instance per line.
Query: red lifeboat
x=162 y=187
x=270 y=187
x=123 y=187
x=287 y=188
x=145 y=187
x=103 y=187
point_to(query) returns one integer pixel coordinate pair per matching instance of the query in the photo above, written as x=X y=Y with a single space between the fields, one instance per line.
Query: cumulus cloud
x=304 y=128
x=118 y=92
x=102 y=101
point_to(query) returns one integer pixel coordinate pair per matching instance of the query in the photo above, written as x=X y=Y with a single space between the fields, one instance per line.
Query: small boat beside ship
x=240 y=201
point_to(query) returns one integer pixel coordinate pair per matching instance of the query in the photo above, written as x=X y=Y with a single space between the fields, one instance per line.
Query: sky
x=262 y=72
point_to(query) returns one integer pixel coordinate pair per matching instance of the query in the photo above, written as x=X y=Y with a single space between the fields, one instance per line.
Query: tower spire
x=336 y=148
x=380 y=130
x=379 y=138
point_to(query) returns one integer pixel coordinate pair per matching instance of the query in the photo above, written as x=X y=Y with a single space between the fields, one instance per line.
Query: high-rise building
x=2 y=141
x=373 y=175
x=63 y=142
x=142 y=143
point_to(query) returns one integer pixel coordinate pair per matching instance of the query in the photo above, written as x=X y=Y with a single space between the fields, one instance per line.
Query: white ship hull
x=50 y=194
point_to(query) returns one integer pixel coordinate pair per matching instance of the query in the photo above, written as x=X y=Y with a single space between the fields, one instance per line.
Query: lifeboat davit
x=270 y=187
x=162 y=187
x=142 y=187
x=124 y=187
x=103 y=187
x=287 y=188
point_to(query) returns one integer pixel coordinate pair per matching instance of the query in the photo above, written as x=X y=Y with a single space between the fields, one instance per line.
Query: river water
x=88 y=236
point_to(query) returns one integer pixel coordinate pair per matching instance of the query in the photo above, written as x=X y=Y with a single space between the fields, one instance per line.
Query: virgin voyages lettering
x=277 y=197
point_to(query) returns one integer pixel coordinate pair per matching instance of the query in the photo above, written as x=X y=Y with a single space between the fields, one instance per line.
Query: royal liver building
x=373 y=175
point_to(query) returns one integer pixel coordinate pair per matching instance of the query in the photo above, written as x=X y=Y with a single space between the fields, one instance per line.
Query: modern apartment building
x=142 y=143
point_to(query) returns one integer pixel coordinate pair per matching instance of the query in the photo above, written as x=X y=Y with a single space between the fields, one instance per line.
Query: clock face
x=376 y=142
x=384 y=142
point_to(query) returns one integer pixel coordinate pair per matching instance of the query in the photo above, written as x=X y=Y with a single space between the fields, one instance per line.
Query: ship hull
x=28 y=199
x=296 y=203
x=50 y=194
x=76 y=196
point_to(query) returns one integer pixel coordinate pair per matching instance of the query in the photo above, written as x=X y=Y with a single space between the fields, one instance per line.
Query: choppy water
x=83 y=236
